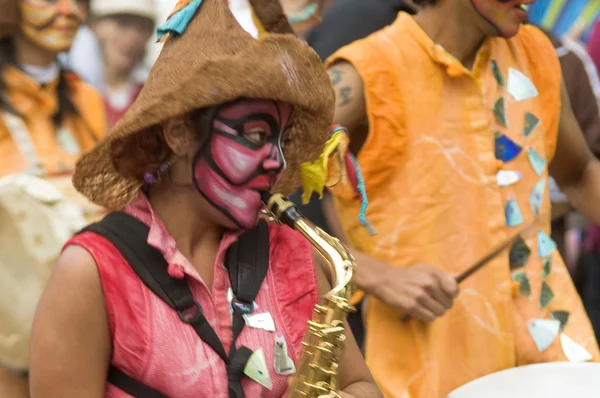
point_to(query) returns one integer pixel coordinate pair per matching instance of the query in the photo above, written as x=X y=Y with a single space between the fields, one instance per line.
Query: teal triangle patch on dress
x=519 y=254
x=513 y=214
x=536 y=196
x=500 y=112
x=537 y=162
x=505 y=149
x=543 y=332
x=546 y=268
x=497 y=73
x=546 y=295
x=545 y=245
x=531 y=123
x=561 y=316
x=524 y=285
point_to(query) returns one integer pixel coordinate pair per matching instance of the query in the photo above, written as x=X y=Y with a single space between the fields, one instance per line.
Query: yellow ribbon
x=329 y=168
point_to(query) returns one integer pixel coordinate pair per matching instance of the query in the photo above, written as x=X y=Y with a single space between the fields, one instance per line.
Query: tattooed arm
x=350 y=107
x=420 y=291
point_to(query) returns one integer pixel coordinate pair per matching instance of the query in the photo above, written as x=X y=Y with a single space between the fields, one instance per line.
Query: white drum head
x=548 y=380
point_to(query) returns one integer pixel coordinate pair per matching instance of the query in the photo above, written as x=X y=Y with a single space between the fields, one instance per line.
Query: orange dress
x=454 y=164
x=56 y=149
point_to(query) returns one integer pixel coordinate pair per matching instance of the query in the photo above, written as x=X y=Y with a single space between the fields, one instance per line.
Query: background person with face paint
x=123 y=28
x=44 y=99
x=458 y=116
x=43 y=105
x=222 y=118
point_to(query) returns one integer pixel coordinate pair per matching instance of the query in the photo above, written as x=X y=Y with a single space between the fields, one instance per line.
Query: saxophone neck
x=341 y=262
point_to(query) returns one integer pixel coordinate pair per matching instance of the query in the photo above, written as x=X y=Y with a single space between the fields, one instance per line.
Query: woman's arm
x=354 y=378
x=12 y=384
x=70 y=343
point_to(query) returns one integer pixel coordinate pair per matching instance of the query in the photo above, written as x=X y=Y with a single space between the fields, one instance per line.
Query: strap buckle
x=245 y=307
x=191 y=314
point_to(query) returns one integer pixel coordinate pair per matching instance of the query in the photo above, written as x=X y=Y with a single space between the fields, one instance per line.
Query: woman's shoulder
x=100 y=259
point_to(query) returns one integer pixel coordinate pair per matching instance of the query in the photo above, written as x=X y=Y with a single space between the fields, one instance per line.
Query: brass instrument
x=323 y=346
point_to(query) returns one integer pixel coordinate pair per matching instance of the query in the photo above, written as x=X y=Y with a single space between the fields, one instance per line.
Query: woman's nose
x=272 y=164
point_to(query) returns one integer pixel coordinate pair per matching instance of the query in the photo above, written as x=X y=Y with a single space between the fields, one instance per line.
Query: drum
x=547 y=380
x=35 y=221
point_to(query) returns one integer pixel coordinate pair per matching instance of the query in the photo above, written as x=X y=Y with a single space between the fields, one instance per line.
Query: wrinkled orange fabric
x=36 y=104
x=430 y=173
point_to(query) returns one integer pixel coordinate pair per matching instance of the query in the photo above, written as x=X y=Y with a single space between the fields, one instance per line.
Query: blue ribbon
x=179 y=21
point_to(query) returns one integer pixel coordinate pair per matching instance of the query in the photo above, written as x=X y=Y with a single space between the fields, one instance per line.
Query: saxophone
x=323 y=346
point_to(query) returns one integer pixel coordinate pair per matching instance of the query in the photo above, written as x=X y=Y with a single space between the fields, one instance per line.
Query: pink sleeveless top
x=151 y=344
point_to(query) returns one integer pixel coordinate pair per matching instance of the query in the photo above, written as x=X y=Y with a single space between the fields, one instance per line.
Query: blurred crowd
x=113 y=53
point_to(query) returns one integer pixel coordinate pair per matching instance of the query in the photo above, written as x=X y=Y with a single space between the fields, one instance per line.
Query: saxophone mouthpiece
x=282 y=208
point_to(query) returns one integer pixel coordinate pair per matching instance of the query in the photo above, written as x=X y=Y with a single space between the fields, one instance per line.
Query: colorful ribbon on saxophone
x=336 y=165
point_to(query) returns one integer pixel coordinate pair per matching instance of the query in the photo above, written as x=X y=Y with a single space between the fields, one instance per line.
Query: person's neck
x=175 y=205
x=448 y=27
x=115 y=79
x=28 y=53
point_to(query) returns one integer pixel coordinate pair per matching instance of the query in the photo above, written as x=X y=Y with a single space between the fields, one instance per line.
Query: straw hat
x=143 y=8
x=212 y=62
x=9 y=18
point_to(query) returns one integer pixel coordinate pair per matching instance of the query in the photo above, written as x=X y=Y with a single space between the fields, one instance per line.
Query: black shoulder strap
x=130 y=235
x=131 y=386
x=247 y=262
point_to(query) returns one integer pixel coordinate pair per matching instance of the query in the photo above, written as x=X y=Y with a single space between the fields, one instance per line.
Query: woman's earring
x=154 y=177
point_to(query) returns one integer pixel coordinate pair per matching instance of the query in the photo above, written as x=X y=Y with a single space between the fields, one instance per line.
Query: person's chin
x=245 y=222
x=59 y=47
x=506 y=32
x=512 y=32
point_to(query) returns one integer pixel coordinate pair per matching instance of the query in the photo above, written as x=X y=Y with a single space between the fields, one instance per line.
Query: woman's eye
x=256 y=136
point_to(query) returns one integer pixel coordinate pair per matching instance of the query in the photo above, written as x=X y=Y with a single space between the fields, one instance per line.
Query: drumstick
x=487 y=258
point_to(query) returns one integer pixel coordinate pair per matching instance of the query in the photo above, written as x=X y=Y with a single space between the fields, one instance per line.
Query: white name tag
x=262 y=321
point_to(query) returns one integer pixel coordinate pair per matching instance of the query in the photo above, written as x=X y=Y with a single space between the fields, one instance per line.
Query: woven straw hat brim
x=210 y=64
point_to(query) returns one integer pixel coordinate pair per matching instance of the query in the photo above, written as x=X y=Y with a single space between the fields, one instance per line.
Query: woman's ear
x=179 y=135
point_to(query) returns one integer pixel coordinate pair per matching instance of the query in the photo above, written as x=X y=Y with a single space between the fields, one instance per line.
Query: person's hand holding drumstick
x=420 y=291
x=482 y=262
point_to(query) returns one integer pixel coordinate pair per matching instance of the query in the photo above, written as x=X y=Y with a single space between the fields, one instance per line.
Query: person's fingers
x=426 y=300
x=433 y=286
x=418 y=304
x=440 y=296
x=423 y=314
x=448 y=284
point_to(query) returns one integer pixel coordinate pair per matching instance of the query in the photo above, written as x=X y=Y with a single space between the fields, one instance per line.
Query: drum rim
x=558 y=364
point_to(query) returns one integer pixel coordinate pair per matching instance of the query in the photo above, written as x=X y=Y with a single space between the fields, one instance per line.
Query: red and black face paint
x=242 y=157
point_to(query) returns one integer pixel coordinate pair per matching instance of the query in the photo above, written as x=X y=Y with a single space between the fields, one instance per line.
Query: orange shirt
x=438 y=194
x=56 y=149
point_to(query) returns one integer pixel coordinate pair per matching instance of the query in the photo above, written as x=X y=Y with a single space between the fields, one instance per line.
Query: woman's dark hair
x=147 y=150
x=65 y=104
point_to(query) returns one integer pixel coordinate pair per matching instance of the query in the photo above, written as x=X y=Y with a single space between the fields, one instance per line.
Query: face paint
x=504 y=15
x=242 y=157
x=51 y=24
